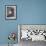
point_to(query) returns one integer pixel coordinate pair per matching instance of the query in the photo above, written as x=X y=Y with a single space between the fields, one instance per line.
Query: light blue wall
x=28 y=12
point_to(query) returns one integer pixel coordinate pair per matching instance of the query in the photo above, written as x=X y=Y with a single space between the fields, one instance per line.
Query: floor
x=7 y=45
x=30 y=43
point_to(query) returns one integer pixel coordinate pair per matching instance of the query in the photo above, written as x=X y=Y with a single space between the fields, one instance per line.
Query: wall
x=28 y=12
x=33 y=27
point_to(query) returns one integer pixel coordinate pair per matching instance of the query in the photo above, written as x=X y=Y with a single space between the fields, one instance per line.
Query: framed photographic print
x=10 y=12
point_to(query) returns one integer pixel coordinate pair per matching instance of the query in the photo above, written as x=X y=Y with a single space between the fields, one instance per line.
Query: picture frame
x=39 y=28
x=10 y=12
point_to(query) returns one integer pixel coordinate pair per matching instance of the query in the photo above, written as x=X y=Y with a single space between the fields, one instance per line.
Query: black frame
x=15 y=15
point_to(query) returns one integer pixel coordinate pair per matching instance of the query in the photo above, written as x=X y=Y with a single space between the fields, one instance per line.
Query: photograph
x=10 y=12
x=29 y=33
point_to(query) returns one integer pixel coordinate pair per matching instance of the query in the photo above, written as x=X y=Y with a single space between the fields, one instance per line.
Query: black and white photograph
x=31 y=34
x=10 y=12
